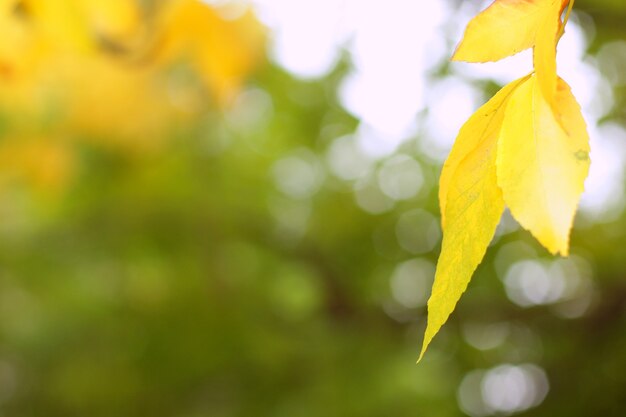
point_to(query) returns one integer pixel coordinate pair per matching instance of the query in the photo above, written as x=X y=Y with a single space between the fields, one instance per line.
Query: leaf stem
x=567 y=14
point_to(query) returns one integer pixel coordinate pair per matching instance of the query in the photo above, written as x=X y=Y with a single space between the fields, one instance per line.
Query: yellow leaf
x=135 y=113
x=483 y=126
x=20 y=49
x=471 y=205
x=541 y=166
x=223 y=51
x=82 y=26
x=44 y=163
x=544 y=54
x=507 y=27
x=118 y=26
x=64 y=27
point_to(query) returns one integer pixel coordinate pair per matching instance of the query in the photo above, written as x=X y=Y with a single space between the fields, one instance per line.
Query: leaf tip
x=557 y=246
x=427 y=340
x=563 y=250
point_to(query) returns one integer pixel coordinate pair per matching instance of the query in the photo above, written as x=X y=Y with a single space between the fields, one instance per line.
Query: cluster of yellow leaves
x=110 y=70
x=526 y=149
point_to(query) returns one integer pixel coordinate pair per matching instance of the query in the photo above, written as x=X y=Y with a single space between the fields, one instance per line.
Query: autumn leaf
x=45 y=165
x=86 y=25
x=118 y=24
x=471 y=206
x=541 y=166
x=63 y=27
x=223 y=51
x=544 y=53
x=507 y=27
x=476 y=136
x=527 y=148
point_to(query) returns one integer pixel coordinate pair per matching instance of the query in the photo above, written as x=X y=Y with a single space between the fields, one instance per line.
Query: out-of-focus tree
x=121 y=73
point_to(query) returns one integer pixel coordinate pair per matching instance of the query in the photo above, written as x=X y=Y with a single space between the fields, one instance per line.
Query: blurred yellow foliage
x=45 y=165
x=110 y=70
x=222 y=55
